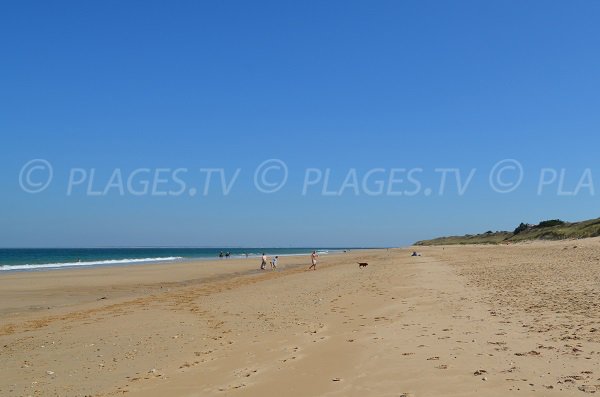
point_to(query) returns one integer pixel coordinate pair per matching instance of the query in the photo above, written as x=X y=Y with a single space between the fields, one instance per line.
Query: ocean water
x=35 y=259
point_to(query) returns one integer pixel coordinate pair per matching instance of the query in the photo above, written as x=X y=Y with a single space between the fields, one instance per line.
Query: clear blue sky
x=324 y=84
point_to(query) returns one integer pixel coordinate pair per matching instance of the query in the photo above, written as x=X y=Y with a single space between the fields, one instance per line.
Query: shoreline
x=124 y=262
x=47 y=288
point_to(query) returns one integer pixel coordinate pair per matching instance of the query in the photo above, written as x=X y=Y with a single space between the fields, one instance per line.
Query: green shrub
x=550 y=223
x=521 y=228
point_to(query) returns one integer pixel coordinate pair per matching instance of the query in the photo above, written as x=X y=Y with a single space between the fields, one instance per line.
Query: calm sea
x=23 y=259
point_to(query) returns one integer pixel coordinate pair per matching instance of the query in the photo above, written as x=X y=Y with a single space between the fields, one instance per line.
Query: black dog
x=362 y=264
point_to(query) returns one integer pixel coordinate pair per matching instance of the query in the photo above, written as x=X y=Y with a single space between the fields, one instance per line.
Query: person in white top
x=263 y=264
x=313 y=258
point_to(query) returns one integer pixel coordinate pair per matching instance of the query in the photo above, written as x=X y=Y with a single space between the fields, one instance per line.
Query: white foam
x=91 y=263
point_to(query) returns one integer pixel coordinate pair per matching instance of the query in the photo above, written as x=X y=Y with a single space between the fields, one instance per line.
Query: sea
x=37 y=259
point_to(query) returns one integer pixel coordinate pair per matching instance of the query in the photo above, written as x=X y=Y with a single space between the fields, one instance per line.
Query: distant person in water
x=274 y=263
x=313 y=259
x=227 y=255
x=263 y=263
x=246 y=255
x=221 y=254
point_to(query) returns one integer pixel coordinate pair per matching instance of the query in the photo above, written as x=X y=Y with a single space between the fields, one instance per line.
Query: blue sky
x=338 y=84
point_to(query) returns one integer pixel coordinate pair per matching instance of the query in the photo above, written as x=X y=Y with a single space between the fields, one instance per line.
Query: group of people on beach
x=228 y=254
x=264 y=260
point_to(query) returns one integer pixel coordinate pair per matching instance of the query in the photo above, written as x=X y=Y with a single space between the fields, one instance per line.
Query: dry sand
x=457 y=321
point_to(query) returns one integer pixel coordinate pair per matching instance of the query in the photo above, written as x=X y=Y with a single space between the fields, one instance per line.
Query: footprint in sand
x=232 y=387
x=189 y=365
x=532 y=353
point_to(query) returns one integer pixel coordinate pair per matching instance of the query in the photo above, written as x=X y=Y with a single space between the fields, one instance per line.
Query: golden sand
x=457 y=321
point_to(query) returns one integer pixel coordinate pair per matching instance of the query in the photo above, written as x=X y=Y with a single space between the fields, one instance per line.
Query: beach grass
x=546 y=230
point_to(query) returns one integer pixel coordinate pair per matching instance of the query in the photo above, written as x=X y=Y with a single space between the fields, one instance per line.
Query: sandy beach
x=456 y=321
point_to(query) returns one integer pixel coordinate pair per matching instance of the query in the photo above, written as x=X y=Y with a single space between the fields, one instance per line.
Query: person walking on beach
x=313 y=258
x=263 y=263
x=221 y=255
x=274 y=263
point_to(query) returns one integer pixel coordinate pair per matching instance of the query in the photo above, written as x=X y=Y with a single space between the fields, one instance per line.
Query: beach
x=455 y=321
